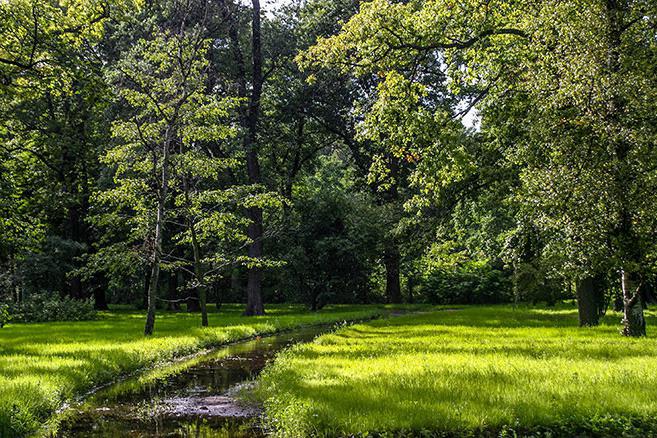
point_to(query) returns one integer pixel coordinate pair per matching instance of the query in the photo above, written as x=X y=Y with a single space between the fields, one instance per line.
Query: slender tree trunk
x=391 y=259
x=157 y=241
x=172 y=291
x=193 y=305
x=152 y=287
x=76 y=287
x=144 y=295
x=254 y=305
x=590 y=295
x=410 y=285
x=249 y=116
x=196 y=253
x=634 y=323
x=198 y=272
x=236 y=283
x=100 y=298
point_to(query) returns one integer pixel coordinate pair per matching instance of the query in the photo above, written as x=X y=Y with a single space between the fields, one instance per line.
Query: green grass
x=44 y=365
x=476 y=371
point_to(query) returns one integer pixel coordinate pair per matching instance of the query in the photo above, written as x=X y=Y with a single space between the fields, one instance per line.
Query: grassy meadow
x=44 y=365
x=475 y=371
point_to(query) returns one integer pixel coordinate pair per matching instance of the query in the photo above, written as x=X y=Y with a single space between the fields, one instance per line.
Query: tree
x=52 y=104
x=161 y=83
x=536 y=56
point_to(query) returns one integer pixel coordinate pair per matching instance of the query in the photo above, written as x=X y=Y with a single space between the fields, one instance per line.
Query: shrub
x=469 y=283
x=42 y=307
x=5 y=317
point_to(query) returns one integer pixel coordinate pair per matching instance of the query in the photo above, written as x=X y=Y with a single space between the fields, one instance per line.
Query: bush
x=470 y=283
x=5 y=317
x=42 y=308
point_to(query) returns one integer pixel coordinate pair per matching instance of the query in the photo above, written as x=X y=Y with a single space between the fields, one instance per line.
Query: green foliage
x=64 y=360
x=332 y=240
x=5 y=316
x=471 y=282
x=474 y=371
x=45 y=307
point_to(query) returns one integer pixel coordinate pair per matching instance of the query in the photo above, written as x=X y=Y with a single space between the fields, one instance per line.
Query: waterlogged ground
x=195 y=397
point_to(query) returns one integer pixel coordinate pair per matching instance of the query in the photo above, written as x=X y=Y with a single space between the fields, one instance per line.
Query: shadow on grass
x=475 y=369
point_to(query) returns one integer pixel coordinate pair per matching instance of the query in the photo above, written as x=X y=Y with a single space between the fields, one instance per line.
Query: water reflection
x=185 y=399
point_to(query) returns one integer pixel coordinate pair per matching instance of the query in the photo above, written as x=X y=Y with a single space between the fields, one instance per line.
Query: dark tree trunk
x=200 y=277
x=217 y=288
x=249 y=116
x=254 y=304
x=236 y=284
x=410 y=285
x=590 y=300
x=100 y=286
x=144 y=296
x=391 y=259
x=152 y=293
x=77 y=290
x=76 y=287
x=192 y=302
x=100 y=299
x=172 y=291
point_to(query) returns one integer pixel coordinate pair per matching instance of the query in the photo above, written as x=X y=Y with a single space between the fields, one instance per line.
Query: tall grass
x=43 y=365
x=479 y=370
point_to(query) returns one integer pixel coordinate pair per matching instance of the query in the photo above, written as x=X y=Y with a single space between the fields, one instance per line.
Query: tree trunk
x=410 y=285
x=236 y=284
x=200 y=277
x=152 y=287
x=193 y=302
x=634 y=323
x=157 y=241
x=391 y=259
x=254 y=305
x=590 y=296
x=76 y=288
x=143 y=305
x=100 y=298
x=249 y=119
x=172 y=291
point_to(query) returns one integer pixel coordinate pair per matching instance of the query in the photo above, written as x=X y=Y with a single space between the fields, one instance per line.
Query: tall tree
x=161 y=82
x=537 y=56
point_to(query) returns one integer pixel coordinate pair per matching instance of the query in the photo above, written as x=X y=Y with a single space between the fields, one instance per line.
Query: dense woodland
x=170 y=154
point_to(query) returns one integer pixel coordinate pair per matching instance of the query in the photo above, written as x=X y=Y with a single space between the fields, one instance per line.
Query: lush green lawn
x=43 y=365
x=481 y=370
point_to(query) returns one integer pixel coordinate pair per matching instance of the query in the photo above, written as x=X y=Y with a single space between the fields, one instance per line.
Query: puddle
x=186 y=399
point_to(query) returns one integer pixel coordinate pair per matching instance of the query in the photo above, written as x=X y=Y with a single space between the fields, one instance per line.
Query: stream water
x=192 y=398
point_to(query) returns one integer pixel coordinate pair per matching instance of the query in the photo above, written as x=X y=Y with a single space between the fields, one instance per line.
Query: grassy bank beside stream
x=44 y=365
x=491 y=371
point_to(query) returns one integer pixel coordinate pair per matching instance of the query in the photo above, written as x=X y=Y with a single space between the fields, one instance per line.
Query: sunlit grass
x=475 y=370
x=43 y=365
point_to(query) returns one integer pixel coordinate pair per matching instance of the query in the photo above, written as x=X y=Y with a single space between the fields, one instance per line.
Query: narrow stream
x=192 y=398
